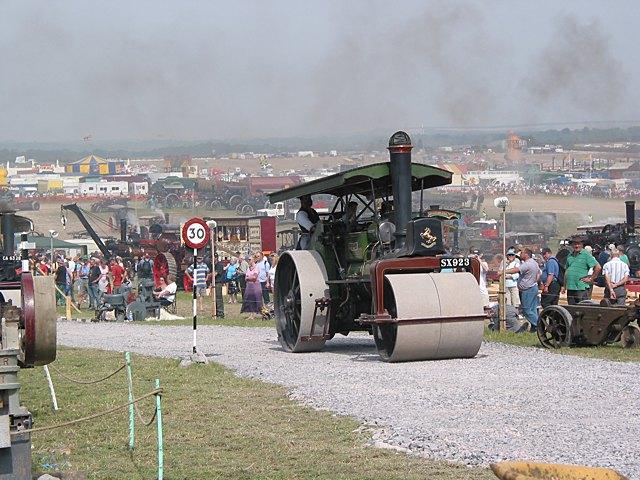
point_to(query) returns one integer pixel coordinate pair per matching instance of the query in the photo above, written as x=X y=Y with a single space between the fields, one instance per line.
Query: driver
x=349 y=218
x=307 y=218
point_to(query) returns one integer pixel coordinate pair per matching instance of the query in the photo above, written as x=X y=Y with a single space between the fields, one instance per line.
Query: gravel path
x=507 y=403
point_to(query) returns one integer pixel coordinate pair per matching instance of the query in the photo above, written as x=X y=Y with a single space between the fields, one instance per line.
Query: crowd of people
x=81 y=278
x=247 y=279
x=555 y=189
x=533 y=282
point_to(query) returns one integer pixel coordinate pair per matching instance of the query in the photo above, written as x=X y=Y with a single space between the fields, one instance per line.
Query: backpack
x=561 y=270
x=145 y=269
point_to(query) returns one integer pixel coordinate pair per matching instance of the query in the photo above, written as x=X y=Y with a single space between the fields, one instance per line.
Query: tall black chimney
x=631 y=217
x=400 y=169
x=123 y=230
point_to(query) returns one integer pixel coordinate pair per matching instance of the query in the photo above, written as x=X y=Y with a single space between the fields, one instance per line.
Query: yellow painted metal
x=551 y=471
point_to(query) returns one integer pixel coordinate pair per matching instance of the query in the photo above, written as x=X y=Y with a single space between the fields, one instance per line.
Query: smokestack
x=631 y=216
x=400 y=169
x=123 y=230
x=8 y=233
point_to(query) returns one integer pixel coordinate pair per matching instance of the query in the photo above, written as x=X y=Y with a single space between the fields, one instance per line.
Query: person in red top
x=118 y=275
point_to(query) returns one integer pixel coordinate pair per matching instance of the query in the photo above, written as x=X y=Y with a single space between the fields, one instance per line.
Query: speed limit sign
x=195 y=233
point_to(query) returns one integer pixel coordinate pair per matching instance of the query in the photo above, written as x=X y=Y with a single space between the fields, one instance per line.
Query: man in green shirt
x=623 y=256
x=576 y=277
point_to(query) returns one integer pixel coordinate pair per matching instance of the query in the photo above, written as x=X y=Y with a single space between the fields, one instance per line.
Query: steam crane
x=73 y=207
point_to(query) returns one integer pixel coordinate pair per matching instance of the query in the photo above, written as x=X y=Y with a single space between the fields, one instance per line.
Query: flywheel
x=38 y=343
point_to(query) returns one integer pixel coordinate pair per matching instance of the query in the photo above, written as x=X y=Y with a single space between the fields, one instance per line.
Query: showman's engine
x=28 y=339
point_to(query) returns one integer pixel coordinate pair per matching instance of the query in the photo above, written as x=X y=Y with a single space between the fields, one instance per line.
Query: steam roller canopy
x=431 y=308
x=38 y=344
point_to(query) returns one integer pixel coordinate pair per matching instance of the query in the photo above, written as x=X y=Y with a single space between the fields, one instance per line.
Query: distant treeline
x=354 y=143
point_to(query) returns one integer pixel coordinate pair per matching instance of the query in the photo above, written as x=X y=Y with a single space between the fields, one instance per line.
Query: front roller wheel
x=554 y=327
x=445 y=320
x=300 y=280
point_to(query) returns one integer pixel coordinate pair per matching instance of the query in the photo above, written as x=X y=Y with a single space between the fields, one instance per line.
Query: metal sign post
x=195 y=234
x=195 y=299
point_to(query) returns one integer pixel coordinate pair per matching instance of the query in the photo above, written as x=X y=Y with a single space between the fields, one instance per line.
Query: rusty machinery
x=588 y=324
x=379 y=270
x=28 y=338
x=600 y=236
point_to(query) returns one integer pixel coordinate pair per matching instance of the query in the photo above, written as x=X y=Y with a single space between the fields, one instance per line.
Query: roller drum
x=431 y=308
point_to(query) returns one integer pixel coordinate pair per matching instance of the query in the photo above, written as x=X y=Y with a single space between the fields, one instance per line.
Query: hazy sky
x=217 y=70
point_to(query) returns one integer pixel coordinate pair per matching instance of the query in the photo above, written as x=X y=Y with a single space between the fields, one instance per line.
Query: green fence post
x=159 y=423
x=132 y=417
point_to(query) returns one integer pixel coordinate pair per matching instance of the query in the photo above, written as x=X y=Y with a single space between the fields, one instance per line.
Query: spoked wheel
x=215 y=205
x=300 y=280
x=248 y=209
x=554 y=327
x=630 y=337
x=234 y=201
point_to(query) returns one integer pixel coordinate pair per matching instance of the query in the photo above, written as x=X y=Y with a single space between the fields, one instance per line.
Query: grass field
x=216 y=426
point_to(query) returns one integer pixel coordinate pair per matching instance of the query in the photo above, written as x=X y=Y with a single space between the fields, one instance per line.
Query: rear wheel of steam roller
x=300 y=280
x=38 y=343
x=441 y=332
x=554 y=327
x=630 y=337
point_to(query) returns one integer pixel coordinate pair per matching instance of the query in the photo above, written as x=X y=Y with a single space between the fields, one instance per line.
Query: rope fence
x=132 y=404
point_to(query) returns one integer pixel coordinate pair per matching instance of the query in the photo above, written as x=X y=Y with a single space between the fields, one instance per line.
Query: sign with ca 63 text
x=195 y=233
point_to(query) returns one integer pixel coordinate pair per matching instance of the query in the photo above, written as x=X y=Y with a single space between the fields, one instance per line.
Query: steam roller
x=28 y=339
x=377 y=262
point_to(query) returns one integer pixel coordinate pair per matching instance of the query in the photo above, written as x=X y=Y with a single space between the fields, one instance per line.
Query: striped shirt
x=201 y=272
x=615 y=269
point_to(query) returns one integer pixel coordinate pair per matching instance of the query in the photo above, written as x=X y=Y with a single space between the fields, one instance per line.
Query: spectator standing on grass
x=263 y=276
x=118 y=275
x=220 y=277
x=623 y=256
x=243 y=266
x=60 y=278
x=550 y=279
x=82 y=279
x=616 y=274
x=252 y=300
x=511 y=279
x=198 y=277
x=144 y=267
x=231 y=279
x=528 y=286
x=93 y=288
x=589 y=249
x=576 y=276
x=103 y=283
x=272 y=272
